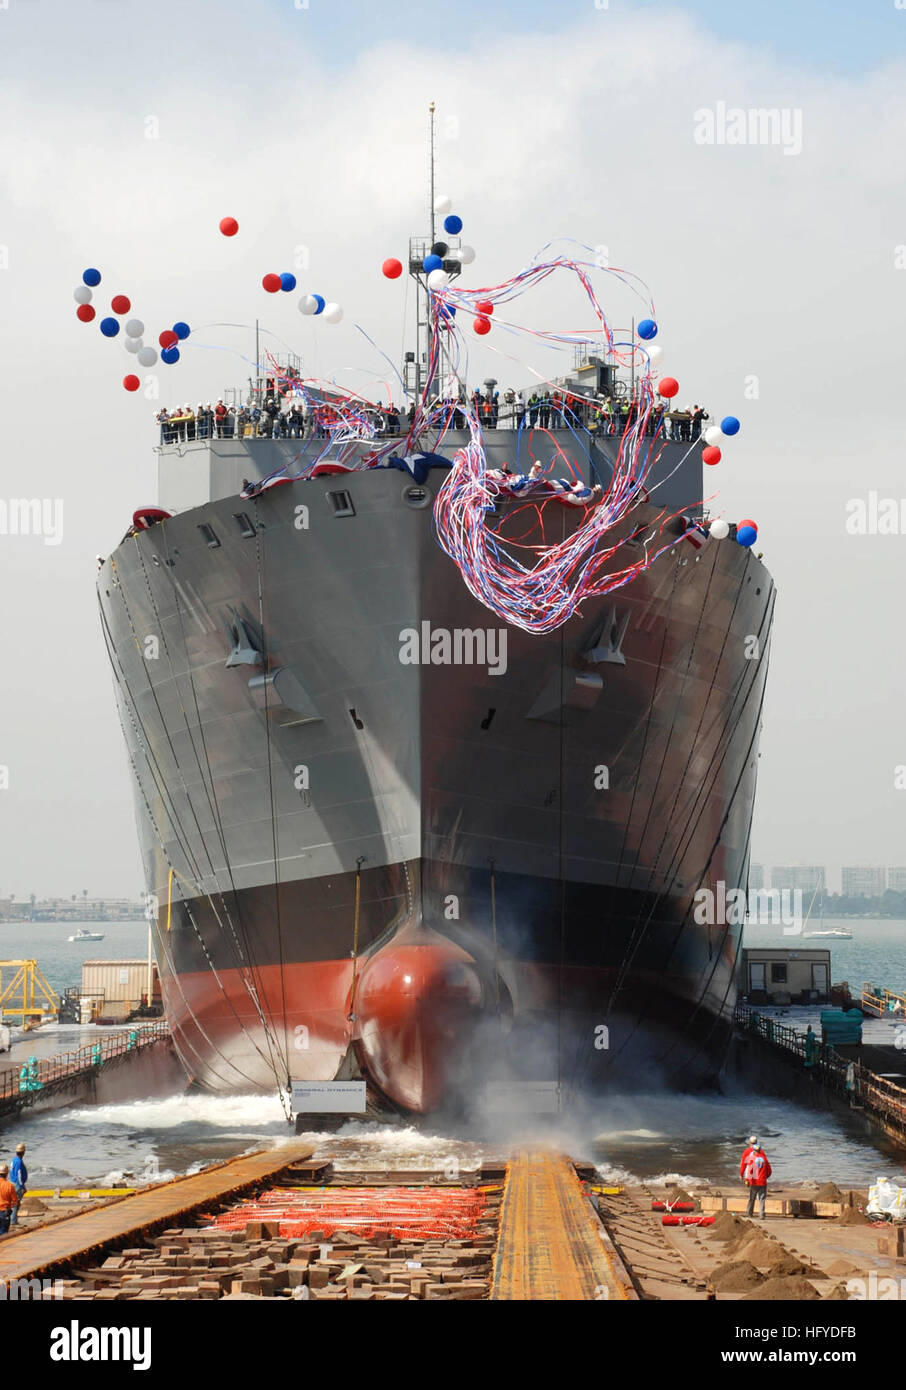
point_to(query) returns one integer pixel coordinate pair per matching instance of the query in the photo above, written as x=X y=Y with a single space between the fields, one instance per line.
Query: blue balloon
x=747 y=535
x=453 y=224
x=170 y=355
x=647 y=329
x=729 y=424
x=91 y=277
x=287 y=281
x=432 y=263
x=181 y=329
x=109 y=327
x=321 y=302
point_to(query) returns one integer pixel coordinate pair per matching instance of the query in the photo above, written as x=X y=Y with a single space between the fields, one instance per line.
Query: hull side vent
x=341 y=502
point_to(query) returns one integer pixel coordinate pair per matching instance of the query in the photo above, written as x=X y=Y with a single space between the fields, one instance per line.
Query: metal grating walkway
x=74 y=1238
x=550 y=1244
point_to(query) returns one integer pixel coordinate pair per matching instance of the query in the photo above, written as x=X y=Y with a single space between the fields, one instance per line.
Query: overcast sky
x=128 y=132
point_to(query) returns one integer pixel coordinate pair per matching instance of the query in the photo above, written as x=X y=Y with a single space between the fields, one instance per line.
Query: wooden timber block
x=776 y=1206
x=262 y=1230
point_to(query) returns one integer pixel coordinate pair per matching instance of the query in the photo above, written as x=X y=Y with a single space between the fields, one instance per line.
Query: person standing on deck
x=755 y=1170
x=9 y=1200
x=18 y=1177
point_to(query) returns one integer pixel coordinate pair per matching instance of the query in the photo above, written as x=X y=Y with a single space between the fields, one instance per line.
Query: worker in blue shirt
x=18 y=1176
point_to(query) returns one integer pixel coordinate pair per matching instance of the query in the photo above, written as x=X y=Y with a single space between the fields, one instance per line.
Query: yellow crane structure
x=24 y=992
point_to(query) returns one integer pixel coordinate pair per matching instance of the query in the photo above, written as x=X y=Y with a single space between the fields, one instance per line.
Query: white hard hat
x=753 y=1140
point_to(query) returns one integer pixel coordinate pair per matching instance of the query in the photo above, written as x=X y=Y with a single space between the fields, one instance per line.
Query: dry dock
x=538 y=1228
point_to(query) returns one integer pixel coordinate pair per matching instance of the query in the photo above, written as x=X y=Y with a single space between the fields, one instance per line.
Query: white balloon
x=655 y=355
x=466 y=255
x=134 y=328
x=443 y=204
x=82 y=294
x=147 y=356
x=308 y=304
x=719 y=529
x=333 y=313
x=714 y=435
x=134 y=344
x=438 y=280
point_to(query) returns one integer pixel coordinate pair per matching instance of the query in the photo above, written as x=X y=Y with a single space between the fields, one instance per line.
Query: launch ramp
x=73 y=1239
x=551 y=1246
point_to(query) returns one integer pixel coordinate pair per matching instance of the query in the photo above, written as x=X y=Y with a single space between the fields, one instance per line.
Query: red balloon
x=668 y=386
x=131 y=383
x=229 y=226
x=85 y=312
x=711 y=454
x=271 y=283
x=747 y=522
x=482 y=325
x=484 y=306
x=392 y=268
x=120 y=304
x=168 y=338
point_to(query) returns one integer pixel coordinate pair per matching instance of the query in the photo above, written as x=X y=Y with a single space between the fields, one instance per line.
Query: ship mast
x=415 y=367
x=431 y=152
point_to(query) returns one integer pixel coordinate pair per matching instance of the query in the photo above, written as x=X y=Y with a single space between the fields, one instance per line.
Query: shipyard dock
x=113 y=1066
x=865 y=1074
x=283 y=1223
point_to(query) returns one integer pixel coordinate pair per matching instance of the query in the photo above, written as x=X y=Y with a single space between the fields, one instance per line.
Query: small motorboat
x=837 y=933
x=83 y=935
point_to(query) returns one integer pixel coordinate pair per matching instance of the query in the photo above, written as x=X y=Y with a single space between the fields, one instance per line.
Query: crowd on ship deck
x=599 y=415
x=277 y=418
x=271 y=420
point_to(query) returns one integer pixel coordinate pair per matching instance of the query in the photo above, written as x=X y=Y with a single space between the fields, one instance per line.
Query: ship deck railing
x=507 y=418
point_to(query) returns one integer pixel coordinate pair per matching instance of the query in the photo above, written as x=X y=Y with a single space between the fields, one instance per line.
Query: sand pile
x=678 y=1194
x=828 y=1192
x=735 y=1276
x=838 y=1294
x=30 y=1205
x=785 y=1263
x=784 y=1289
x=842 y=1267
x=758 y=1249
x=852 y=1216
x=726 y=1226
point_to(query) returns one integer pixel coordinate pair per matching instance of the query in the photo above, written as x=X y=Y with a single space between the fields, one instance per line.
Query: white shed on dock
x=780 y=975
x=118 y=986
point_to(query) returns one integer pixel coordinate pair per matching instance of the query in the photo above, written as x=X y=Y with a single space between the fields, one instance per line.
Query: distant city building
x=79 y=908
x=863 y=881
x=896 y=880
x=756 y=876
x=808 y=878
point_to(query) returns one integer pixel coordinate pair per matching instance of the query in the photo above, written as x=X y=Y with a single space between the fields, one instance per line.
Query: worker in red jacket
x=755 y=1170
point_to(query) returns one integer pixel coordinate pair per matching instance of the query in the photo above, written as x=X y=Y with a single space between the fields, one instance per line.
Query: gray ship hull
x=429 y=875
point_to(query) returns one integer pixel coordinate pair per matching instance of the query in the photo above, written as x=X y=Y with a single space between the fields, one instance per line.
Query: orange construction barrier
x=422 y=1213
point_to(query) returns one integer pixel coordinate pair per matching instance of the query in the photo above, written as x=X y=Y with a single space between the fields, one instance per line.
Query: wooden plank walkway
x=550 y=1245
x=74 y=1238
